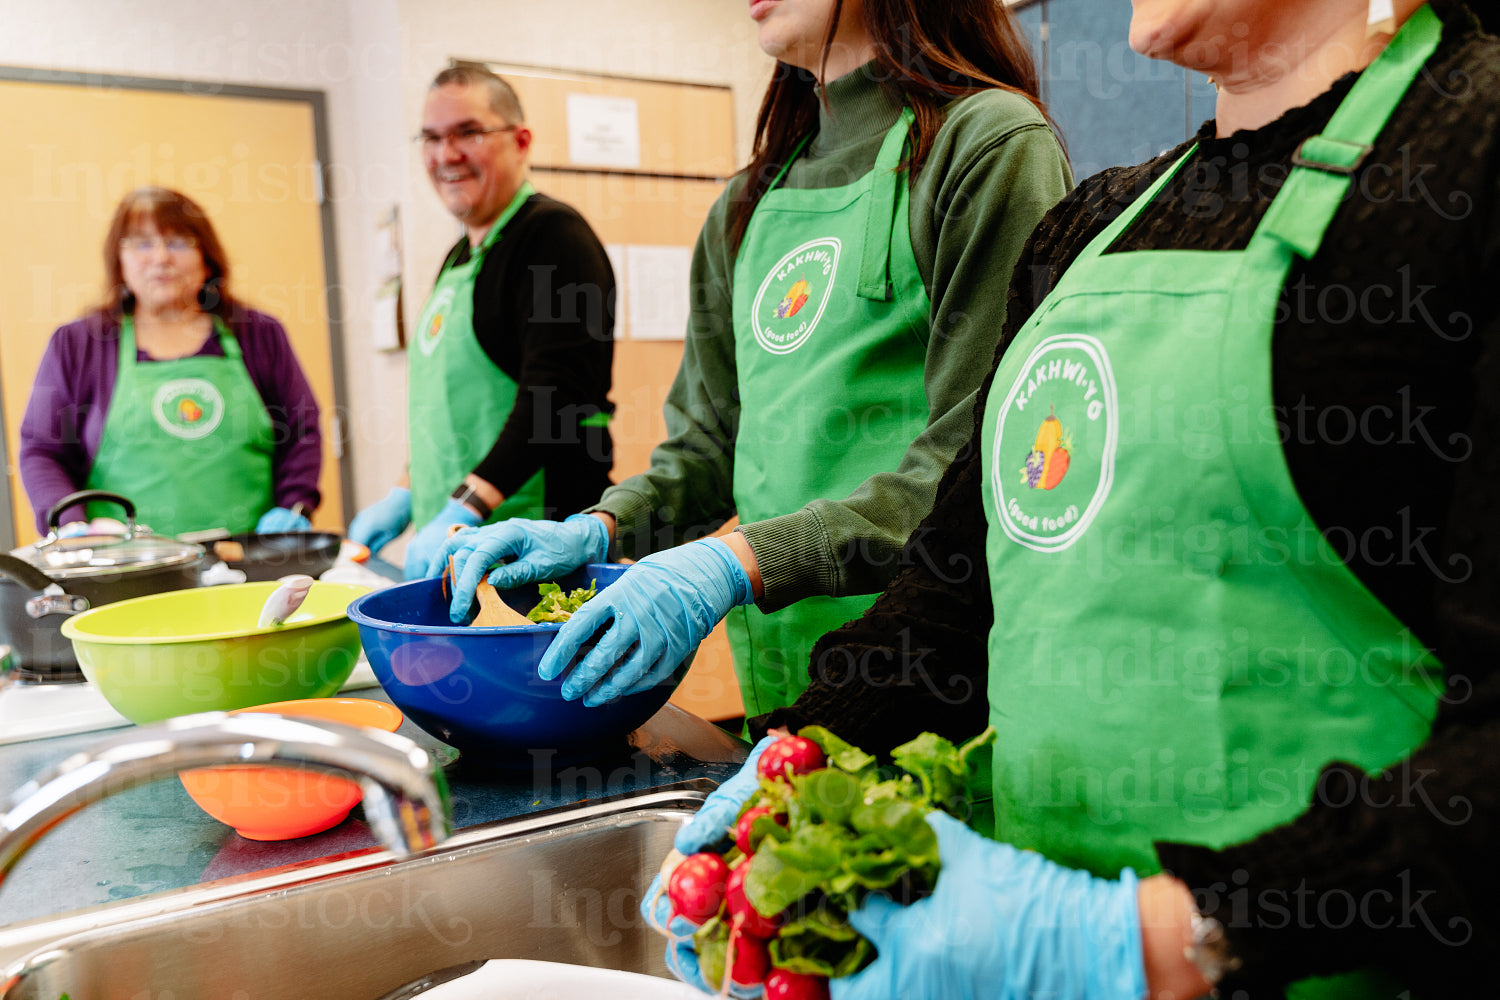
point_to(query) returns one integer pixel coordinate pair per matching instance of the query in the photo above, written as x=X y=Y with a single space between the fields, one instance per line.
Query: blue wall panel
x=1031 y=23
x=1113 y=106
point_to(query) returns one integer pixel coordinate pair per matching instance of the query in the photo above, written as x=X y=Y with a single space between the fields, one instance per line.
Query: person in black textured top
x=1384 y=362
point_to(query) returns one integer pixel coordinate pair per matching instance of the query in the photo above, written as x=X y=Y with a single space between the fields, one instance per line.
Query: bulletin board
x=659 y=155
x=685 y=146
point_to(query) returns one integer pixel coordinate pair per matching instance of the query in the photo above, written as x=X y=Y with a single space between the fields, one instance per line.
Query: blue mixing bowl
x=477 y=688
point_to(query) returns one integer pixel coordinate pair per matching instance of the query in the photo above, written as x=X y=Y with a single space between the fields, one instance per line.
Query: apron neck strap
x=127 y=342
x=796 y=152
x=1122 y=222
x=875 y=262
x=227 y=340
x=523 y=193
x=1324 y=165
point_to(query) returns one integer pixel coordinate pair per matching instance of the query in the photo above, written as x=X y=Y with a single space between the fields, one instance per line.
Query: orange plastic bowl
x=280 y=803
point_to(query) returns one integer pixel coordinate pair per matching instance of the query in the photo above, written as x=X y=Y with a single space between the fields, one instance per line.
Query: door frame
x=317 y=101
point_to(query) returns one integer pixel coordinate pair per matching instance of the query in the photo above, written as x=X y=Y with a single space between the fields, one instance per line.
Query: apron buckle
x=1332 y=156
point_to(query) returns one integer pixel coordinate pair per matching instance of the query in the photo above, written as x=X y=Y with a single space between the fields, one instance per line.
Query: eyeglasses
x=149 y=244
x=465 y=137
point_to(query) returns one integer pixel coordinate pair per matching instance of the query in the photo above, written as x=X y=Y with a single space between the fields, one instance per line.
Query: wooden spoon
x=493 y=611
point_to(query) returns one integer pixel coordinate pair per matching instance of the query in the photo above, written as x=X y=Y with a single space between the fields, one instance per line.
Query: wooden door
x=74 y=150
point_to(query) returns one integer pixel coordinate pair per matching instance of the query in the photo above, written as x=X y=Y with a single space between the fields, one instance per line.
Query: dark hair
x=172 y=213
x=927 y=52
x=503 y=99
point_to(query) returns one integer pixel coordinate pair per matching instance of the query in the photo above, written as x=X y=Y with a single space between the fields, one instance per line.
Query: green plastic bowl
x=199 y=650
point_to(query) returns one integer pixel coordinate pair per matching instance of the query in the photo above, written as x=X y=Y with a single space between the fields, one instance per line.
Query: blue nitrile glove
x=709 y=825
x=281 y=519
x=657 y=613
x=1002 y=923
x=543 y=551
x=430 y=539
x=377 y=525
x=682 y=953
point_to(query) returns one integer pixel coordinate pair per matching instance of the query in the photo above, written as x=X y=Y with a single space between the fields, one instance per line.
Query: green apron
x=830 y=322
x=457 y=398
x=188 y=441
x=1177 y=651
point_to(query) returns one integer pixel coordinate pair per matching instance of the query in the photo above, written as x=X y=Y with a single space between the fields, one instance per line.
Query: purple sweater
x=64 y=419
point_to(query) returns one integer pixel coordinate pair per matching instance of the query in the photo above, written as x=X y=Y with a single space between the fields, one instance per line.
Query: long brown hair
x=173 y=213
x=928 y=52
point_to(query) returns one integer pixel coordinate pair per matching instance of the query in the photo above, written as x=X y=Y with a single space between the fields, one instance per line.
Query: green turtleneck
x=994 y=169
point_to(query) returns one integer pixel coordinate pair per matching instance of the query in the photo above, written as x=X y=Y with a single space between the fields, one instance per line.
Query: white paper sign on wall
x=603 y=131
x=658 y=294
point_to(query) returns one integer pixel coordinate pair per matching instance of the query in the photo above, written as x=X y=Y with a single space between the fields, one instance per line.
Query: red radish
x=791 y=755
x=743 y=827
x=696 y=887
x=751 y=957
x=740 y=908
x=784 y=985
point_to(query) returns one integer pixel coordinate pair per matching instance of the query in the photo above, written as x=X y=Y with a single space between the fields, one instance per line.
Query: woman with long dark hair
x=847 y=290
x=172 y=393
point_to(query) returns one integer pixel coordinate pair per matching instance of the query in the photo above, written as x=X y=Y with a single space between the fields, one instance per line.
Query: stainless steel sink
x=561 y=886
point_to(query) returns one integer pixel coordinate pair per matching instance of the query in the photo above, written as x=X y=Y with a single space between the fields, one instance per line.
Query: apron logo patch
x=794 y=294
x=188 y=408
x=1047 y=462
x=430 y=326
x=1054 y=450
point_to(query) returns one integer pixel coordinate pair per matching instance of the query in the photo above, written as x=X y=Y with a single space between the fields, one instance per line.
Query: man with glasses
x=509 y=366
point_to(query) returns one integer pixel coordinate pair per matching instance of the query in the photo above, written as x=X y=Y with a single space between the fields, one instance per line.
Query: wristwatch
x=469 y=497
x=1209 y=951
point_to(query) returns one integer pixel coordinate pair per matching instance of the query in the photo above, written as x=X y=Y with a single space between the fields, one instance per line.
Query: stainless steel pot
x=43 y=584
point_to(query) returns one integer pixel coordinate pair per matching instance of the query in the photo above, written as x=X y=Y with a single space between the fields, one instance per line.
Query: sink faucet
x=405 y=794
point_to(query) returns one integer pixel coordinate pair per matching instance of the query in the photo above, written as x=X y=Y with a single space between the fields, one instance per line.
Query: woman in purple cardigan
x=173 y=393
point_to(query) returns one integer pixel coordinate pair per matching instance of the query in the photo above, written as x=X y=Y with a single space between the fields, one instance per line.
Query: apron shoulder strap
x=1324 y=165
x=227 y=340
x=796 y=152
x=522 y=196
x=875 y=261
x=126 y=346
x=1112 y=232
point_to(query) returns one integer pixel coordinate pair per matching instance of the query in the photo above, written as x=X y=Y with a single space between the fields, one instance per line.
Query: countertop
x=154 y=838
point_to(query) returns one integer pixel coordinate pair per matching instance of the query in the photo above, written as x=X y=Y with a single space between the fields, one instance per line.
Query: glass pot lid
x=95 y=555
x=135 y=548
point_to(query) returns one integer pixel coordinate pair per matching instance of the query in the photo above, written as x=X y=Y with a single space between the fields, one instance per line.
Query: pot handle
x=21 y=571
x=55 y=514
x=53 y=601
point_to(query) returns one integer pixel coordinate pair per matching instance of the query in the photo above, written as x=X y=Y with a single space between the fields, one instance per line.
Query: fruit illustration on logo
x=1047 y=462
x=435 y=327
x=189 y=411
x=795 y=297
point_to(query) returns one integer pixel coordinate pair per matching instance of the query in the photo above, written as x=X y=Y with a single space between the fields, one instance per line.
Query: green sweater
x=994 y=169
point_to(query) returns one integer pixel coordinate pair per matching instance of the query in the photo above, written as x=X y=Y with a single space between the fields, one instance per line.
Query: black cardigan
x=544 y=306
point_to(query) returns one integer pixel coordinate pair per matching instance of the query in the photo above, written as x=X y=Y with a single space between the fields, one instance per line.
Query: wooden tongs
x=492 y=610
